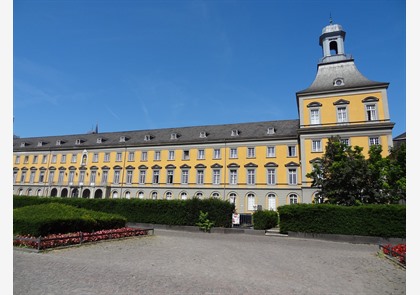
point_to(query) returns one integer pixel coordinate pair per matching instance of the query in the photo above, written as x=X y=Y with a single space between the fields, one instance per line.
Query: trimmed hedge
x=170 y=212
x=265 y=219
x=54 y=218
x=365 y=220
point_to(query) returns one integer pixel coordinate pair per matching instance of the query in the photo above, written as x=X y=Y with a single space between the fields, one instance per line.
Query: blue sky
x=133 y=65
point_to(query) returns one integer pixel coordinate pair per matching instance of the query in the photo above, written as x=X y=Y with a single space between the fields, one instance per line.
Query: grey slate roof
x=284 y=129
x=346 y=70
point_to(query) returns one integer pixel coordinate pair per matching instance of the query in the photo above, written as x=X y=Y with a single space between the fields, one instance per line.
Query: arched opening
x=54 y=192
x=75 y=193
x=127 y=195
x=98 y=194
x=64 y=193
x=20 y=192
x=86 y=194
x=115 y=195
x=38 y=193
x=169 y=195
x=29 y=192
x=251 y=202
x=141 y=195
x=293 y=199
x=271 y=200
x=333 y=48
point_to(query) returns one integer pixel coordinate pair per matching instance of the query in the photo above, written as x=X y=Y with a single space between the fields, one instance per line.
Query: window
x=293 y=199
x=17 y=160
x=60 y=177
x=127 y=195
x=183 y=196
x=203 y=134
x=131 y=156
x=155 y=176
x=234 y=132
x=23 y=176
x=184 y=177
x=141 y=195
x=186 y=155
x=232 y=198
x=270 y=130
x=118 y=157
x=82 y=176
x=199 y=196
x=44 y=159
x=216 y=154
x=314 y=116
x=345 y=141
x=292 y=176
x=215 y=195
x=41 y=176
x=92 y=179
x=142 y=178
x=233 y=153
x=271 y=152
x=117 y=174
x=316 y=145
x=73 y=158
x=32 y=177
x=216 y=176
x=250 y=152
x=251 y=202
x=271 y=176
x=174 y=135
x=170 y=176
x=371 y=112
x=251 y=176
x=95 y=158
x=291 y=151
x=122 y=138
x=104 y=179
x=154 y=196
x=373 y=141
x=200 y=154
x=171 y=155
x=14 y=176
x=129 y=179
x=71 y=176
x=53 y=159
x=233 y=177
x=271 y=202
x=106 y=157
x=200 y=176
x=169 y=196
x=99 y=140
x=342 y=114
x=63 y=159
x=144 y=156
x=35 y=159
x=157 y=155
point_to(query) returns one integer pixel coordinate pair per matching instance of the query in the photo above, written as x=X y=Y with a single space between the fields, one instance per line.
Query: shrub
x=265 y=219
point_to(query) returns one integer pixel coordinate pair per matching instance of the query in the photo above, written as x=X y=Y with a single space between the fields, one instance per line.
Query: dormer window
x=123 y=138
x=174 y=135
x=338 y=82
x=78 y=141
x=22 y=144
x=41 y=143
x=203 y=134
x=271 y=130
x=58 y=142
x=147 y=137
x=99 y=140
x=234 y=132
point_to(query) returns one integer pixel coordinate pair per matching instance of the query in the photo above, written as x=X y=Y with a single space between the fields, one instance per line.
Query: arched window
x=232 y=198
x=141 y=195
x=127 y=195
x=215 y=195
x=169 y=196
x=115 y=195
x=293 y=199
x=271 y=202
x=251 y=202
x=183 y=196
x=154 y=196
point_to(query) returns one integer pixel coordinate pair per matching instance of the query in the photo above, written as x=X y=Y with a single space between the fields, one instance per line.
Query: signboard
x=235 y=218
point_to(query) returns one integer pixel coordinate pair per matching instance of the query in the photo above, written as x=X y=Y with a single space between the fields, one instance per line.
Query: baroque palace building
x=258 y=165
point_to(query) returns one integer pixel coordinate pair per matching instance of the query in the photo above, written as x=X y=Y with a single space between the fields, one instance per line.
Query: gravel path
x=176 y=262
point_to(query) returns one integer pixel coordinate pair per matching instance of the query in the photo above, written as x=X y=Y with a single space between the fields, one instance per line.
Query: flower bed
x=396 y=252
x=59 y=240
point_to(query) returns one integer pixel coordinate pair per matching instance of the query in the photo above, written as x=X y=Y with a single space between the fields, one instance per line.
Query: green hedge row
x=365 y=220
x=171 y=212
x=54 y=218
x=265 y=219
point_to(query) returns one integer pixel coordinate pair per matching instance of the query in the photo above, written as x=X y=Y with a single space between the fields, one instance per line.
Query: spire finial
x=331 y=21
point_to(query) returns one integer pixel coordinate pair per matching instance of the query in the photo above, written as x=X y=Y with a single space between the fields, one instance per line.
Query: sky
x=134 y=65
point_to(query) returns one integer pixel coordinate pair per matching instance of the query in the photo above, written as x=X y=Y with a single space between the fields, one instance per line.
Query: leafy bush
x=44 y=219
x=265 y=219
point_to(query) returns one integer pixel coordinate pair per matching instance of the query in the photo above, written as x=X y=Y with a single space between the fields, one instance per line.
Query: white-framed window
x=32 y=176
x=216 y=176
x=82 y=175
x=35 y=159
x=292 y=176
x=270 y=130
x=233 y=153
x=371 y=114
x=374 y=141
x=316 y=145
x=251 y=202
x=342 y=114
x=44 y=159
x=171 y=155
x=215 y=195
x=155 y=176
x=104 y=179
x=144 y=156
x=15 y=173
x=42 y=176
x=251 y=176
x=293 y=199
x=200 y=176
x=199 y=196
x=131 y=156
x=232 y=198
x=157 y=155
x=184 y=196
x=71 y=176
x=216 y=154
x=142 y=177
x=291 y=151
x=22 y=177
x=26 y=160
x=17 y=159
x=169 y=195
x=154 y=196
x=74 y=158
x=141 y=195
x=60 y=177
x=184 y=176
x=271 y=200
x=170 y=176
x=186 y=155
x=118 y=157
x=92 y=177
x=271 y=176
x=345 y=141
x=271 y=152
x=117 y=174
x=51 y=176
x=314 y=116
x=250 y=152
x=53 y=159
x=200 y=155
x=129 y=179
x=233 y=176
x=127 y=195
x=107 y=157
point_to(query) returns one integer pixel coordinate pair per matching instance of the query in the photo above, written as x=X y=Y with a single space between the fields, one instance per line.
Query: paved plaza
x=178 y=262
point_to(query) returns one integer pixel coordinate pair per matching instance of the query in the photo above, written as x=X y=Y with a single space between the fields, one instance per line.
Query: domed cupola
x=332 y=42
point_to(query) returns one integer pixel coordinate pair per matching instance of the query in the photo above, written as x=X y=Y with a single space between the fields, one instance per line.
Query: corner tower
x=340 y=101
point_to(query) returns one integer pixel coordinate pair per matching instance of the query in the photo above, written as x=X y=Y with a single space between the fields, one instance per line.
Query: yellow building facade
x=258 y=165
